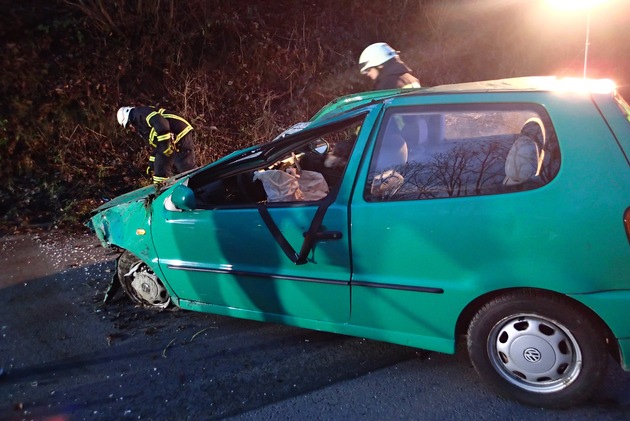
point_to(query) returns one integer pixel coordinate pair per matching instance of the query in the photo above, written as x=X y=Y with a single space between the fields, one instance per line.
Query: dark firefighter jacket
x=164 y=131
x=395 y=74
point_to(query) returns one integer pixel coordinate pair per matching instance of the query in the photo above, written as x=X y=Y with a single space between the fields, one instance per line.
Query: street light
x=578 y=5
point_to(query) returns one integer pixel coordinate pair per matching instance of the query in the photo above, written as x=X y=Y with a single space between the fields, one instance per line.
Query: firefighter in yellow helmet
x=169 y=136
x=383 y=65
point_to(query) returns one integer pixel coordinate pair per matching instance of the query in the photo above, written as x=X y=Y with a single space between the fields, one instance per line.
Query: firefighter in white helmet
x=169 y=136
x=383 y=65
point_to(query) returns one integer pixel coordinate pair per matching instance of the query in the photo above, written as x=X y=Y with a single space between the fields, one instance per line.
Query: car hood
x=132 y=196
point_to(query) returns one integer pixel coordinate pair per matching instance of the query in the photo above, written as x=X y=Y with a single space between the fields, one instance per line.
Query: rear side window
x=457 y=151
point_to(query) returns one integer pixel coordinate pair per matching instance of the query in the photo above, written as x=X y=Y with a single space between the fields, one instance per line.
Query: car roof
x=530 y=83
x=347 y=107
x=516 y=84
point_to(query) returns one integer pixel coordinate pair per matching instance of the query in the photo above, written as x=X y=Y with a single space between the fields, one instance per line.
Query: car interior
x=308 y=173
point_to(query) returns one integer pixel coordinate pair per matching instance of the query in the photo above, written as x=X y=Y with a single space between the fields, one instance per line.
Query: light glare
x=575 y=4
x=596 y=86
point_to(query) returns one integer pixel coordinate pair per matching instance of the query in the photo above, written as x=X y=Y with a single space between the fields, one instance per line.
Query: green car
x=495 y=212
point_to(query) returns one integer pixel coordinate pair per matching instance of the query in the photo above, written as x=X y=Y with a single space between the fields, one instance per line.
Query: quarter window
x=462 y=151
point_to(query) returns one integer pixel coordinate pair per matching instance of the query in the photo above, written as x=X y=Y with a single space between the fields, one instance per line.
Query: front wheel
x=140 y=283
x=538 y=349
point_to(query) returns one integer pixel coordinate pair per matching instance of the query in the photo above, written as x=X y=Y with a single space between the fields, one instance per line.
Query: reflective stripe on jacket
x=160 y=135
x=163 y=130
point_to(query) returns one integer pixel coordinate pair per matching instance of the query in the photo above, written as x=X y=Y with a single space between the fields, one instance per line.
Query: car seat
x=392 y=152
x=525 y=158
x=424 y=134
x=415 y=132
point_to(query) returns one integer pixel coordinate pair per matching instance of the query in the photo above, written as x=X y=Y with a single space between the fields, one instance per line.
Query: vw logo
x=532 y=355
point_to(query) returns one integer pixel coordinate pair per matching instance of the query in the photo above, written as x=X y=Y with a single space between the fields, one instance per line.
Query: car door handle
x=327 y=235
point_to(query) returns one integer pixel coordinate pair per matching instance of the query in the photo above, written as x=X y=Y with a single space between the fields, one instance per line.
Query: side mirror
x=183 y=198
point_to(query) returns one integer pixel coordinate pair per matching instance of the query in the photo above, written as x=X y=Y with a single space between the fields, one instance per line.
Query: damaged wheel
x=140 y=283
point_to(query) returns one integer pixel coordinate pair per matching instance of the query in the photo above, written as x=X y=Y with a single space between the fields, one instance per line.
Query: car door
x=425 y=230
x=253 y=257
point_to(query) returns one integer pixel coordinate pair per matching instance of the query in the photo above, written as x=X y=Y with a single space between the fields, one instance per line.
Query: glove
x=172 y=146
x=173 y=143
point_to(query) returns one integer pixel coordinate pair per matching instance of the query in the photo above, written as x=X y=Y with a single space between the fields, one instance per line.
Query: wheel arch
x=474 y=306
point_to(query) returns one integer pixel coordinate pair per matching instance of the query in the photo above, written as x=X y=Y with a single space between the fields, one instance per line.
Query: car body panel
x=228 y=257
x=619 y=123
x=403 y=271
x=238 y=263
x=612 y=307
x=429 y=246
x=127 y=225
x=132 y=196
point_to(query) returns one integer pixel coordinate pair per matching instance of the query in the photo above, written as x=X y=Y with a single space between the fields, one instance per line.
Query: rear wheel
x=140 y=283
x=538 y=349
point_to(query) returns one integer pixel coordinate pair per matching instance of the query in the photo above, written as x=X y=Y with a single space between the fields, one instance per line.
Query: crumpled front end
x=126 y=225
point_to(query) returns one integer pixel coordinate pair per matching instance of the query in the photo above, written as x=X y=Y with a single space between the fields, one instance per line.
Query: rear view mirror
x=319 y=146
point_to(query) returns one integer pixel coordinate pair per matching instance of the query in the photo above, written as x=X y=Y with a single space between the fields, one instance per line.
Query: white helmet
x=123 y=115
x=375 y=55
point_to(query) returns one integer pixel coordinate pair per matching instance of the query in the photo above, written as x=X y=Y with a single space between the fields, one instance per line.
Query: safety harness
x=153 y=136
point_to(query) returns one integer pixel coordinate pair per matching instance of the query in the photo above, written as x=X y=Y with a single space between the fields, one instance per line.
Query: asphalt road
x=63 y=356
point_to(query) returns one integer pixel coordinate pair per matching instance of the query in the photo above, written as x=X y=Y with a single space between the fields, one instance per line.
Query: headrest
x=535 y=130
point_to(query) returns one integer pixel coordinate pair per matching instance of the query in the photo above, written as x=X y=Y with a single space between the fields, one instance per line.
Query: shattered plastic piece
x=112 y=289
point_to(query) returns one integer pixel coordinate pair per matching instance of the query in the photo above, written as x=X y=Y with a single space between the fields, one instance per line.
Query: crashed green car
x=494 y=212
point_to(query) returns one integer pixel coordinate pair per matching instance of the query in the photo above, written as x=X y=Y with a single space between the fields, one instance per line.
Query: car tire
x=140 y=283
x=538 y=348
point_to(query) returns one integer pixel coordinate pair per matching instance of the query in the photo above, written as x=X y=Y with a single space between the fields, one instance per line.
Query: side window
x=310 y=171
x=304 y=170
x=457 y=151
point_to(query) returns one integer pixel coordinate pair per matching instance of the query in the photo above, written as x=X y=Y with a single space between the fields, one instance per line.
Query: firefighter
x=169 y=136
x=383 y=65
